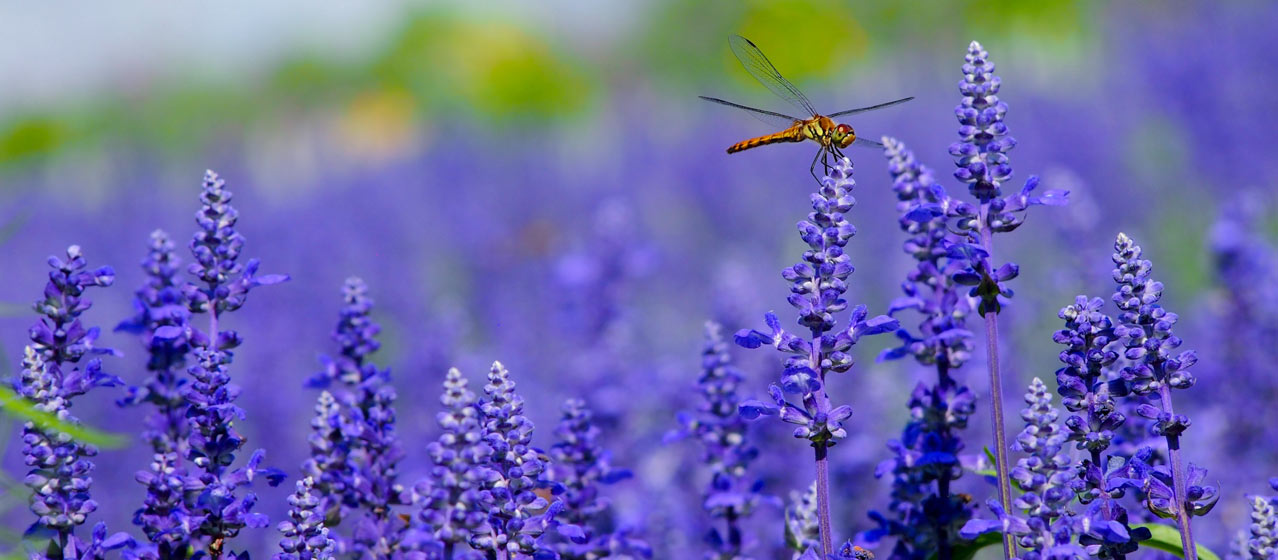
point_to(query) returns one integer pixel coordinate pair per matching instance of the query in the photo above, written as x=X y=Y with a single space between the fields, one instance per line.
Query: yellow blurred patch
x=379 y=124
x=804 y=39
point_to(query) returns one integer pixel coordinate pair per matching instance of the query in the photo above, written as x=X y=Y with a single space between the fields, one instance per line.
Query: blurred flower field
x=509 y=283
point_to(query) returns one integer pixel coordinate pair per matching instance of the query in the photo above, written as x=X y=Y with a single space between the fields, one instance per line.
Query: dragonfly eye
x=843 y=129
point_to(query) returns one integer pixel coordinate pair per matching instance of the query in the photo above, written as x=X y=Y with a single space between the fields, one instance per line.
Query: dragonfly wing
x=776 y=119
x=762 y=69
x=870 y=108
x=867 y=143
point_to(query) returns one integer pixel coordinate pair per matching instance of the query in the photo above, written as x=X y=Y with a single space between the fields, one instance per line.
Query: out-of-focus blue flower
x=52 y=376
x=581 y=466
x=355 y=451
x=727 y=449
x=802 y=528
x=1261 y=537
x=220 y=285
x=517 y=516
x=161 y=320
x=925 y=514
x=329 y=466
x=452 y=507
x=305 y=536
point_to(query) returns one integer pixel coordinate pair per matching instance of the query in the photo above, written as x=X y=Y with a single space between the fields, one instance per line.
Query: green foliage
x=1167 y=539
x=14 y=405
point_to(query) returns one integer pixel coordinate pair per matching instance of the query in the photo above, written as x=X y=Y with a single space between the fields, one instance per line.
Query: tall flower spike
x=1085 y=390
x=367 y=441
x=220 y=285
x=982 y=163
x=581 y=465
x=54 y=372
x=727 y=450
x=1156 y=368
x=161 y=320
x=817 y=287
x=1046 y=529
x=517 y=515
x=926 y=515
x=305 y=536
x=453 y=510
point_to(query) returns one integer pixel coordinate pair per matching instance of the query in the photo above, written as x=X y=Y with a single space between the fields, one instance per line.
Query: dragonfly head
x=842 y=136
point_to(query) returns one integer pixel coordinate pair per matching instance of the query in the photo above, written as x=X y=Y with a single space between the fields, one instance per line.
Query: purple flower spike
x=452 y=505
x=1156 y=367
x=305 y=536
x=723 y=433
x=355 y=453
x=925 y=515
x=818 y=283
x=1262 y=538
x=518 y=516
x=55 y=371
x=581 y=466
x=219 y=284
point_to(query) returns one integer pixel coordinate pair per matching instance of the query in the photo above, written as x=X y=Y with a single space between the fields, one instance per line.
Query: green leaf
x=990 y=455
x=966 y=550
x=16 y=406
x=1167 y=539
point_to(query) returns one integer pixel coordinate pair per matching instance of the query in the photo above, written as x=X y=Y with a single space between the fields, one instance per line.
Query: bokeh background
x=537 y=183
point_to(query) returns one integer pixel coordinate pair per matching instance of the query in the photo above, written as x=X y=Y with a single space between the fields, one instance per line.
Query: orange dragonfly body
x=822 y=129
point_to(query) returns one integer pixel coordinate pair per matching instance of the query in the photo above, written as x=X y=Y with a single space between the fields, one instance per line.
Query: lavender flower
x=1046 y=529
x=161 y=308
x=1084 y=388
x=1145 y=330
x=927 y=515
x=802 y=528
x=358 y=451
x=517 y=515
x=727 y=450
x=981 y=157
x=52 y=376
x=1262 y=538
x=818 y=284
x=213 y=511
x=161 y=320
x=452 y=507
x=305 y=536
x=581 y=466
x=329 y=466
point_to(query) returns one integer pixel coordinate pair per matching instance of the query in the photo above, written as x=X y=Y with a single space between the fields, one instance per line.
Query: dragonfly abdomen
x=793 y=134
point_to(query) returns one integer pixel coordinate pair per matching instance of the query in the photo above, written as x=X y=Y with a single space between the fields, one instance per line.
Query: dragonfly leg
x=825 y=160
x=812 y=168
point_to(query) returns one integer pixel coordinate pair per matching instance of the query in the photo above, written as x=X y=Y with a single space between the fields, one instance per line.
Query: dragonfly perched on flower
x=822 y=129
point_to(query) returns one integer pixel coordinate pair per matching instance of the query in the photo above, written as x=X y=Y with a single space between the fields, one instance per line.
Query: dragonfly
x=822 y=129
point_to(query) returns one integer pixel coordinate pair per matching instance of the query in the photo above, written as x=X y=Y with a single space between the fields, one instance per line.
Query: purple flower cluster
x=817 y=287
x=925 y=513
x=354 y=450
x=55 y=371
x=723 y=433
x=1106 y=476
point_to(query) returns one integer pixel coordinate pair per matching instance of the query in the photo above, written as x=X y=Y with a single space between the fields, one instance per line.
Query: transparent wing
x=870 y=108
x=769 y=117
x=763 y=70
x=865 y=143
